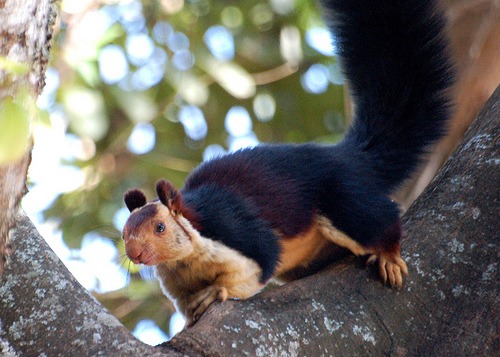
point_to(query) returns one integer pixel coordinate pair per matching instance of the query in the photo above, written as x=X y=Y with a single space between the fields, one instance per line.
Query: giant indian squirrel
x=246 y=217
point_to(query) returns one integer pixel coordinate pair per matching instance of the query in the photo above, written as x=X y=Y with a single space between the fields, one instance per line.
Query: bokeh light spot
x=193 y=121
x=321 y=40
x=113 y=64
x=142 y=139
x=264 y=107
x=315 y=80
x=238 y=121
x=220 y=42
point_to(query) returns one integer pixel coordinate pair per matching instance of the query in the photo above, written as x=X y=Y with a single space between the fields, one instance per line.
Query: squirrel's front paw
x=202 y=300
x=391 y=267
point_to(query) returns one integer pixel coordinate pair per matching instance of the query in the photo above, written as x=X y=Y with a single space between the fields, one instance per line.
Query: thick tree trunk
x=25 y=37
x=448 y=304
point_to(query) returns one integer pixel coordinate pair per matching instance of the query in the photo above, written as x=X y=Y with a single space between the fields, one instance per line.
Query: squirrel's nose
x=134 y=253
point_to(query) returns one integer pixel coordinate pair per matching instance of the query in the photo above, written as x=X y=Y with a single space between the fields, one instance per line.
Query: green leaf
x=14 y=130
x=111 y=35
x=13 y=67
x=43 y=118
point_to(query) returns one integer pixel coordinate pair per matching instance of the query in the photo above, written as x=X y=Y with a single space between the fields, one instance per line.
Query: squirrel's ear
x=169 y=196
x=134 y=199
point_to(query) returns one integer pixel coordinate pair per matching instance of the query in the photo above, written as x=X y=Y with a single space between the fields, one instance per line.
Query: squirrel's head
x=156 y=231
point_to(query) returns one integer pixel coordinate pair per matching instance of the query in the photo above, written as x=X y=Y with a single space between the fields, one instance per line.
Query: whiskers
x=146 y=272
x=125 y=265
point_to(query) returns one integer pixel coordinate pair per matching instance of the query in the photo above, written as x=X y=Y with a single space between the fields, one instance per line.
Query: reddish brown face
x=152 y=235
x=135 y=234
x=156 y=232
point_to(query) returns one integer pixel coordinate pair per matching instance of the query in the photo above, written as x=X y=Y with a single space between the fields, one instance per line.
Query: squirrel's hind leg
x=392 y=267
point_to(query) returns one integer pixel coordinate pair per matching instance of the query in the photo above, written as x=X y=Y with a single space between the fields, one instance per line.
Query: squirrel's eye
x=160 y=227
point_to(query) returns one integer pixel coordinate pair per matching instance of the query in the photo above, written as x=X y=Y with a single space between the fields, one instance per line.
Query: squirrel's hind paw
x=391 y=267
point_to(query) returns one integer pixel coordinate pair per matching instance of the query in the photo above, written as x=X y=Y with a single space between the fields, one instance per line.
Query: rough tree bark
x=448 y=304
x=25 y=37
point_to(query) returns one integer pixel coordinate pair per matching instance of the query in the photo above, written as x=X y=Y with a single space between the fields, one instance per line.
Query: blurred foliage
x=105 y=114
x=16 y=113
x=14 y=128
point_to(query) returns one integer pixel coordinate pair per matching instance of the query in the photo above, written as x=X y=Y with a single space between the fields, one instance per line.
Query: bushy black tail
x=396 y=62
